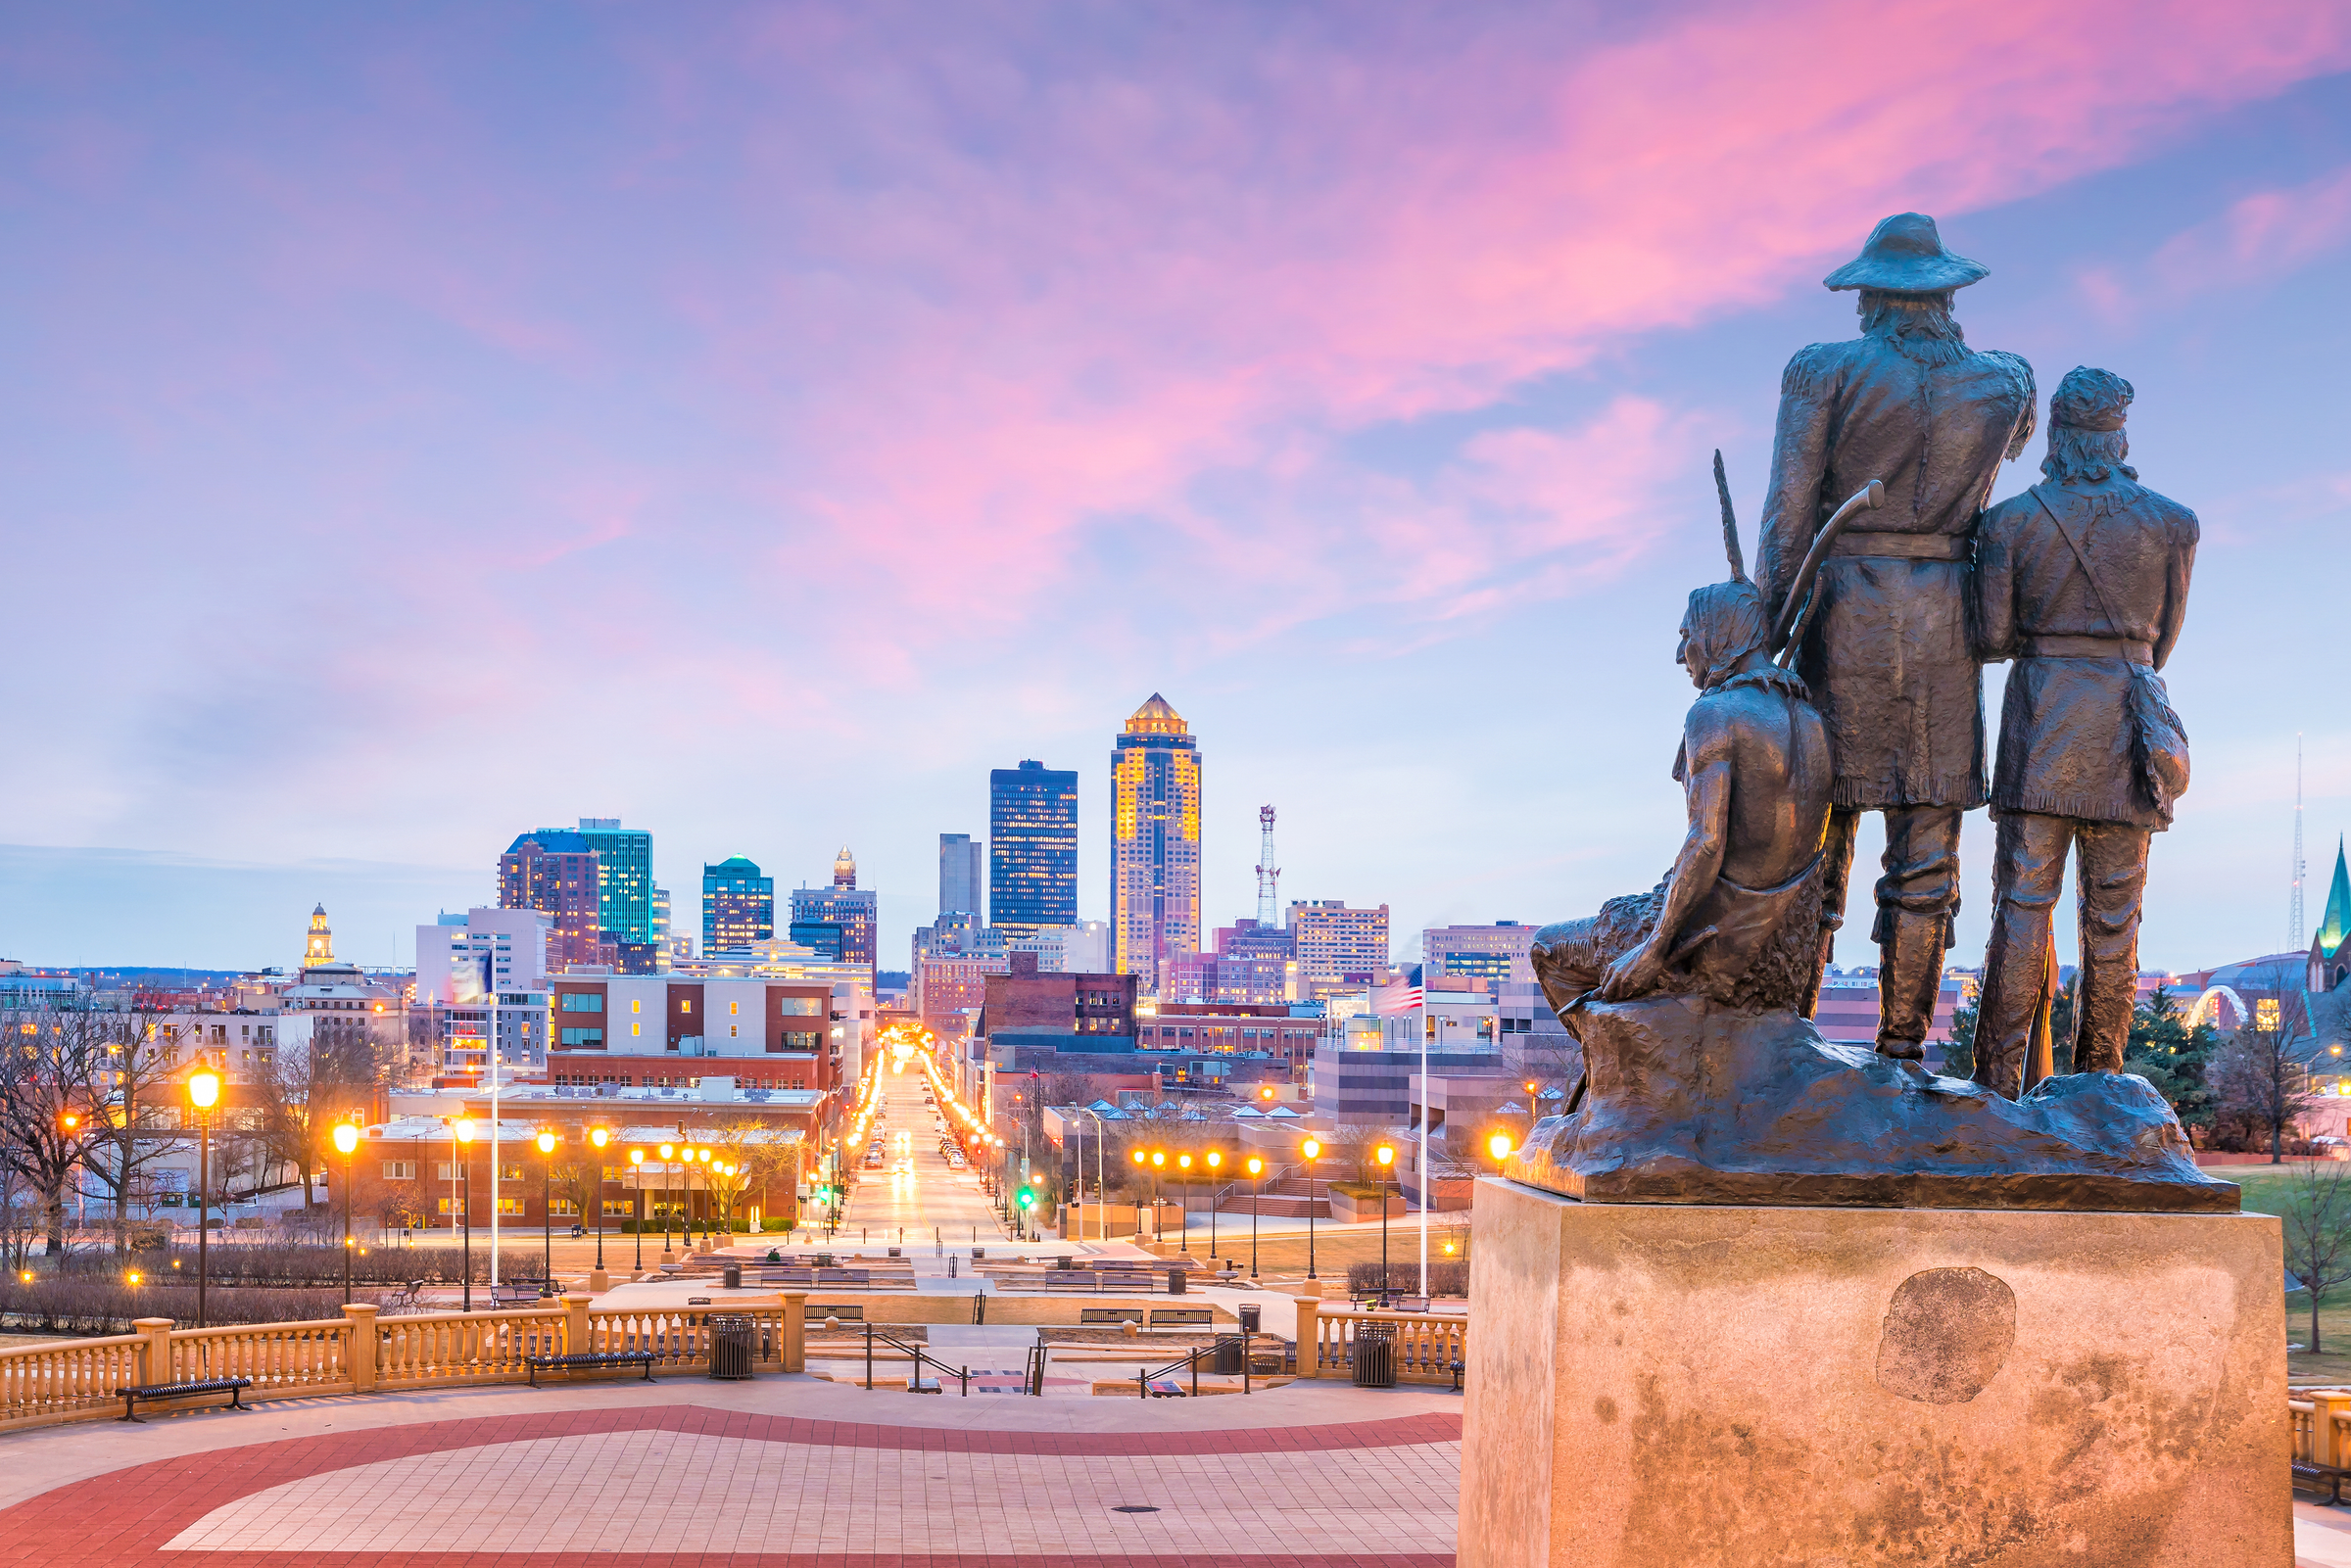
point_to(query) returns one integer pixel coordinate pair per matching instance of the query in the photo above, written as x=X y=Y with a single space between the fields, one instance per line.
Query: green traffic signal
x=1026 y=1199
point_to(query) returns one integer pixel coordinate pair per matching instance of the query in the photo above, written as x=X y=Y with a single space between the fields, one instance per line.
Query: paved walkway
x=783 y=1472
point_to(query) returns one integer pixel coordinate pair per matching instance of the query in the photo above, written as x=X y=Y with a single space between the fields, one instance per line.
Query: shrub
x=92 y=1304
x=1450 y=1277
x=297 y=1265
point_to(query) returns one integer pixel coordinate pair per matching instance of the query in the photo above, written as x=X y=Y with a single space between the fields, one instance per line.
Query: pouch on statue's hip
x=2158 y=742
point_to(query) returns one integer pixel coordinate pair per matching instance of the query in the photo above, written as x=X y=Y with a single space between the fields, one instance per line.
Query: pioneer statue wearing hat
x=2082 y=581
x=1734 y=918
x=1885 y=650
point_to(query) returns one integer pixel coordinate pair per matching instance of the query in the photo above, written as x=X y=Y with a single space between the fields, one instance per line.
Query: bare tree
x=135 y=1073
x=49 y=1113
x=302 y=1092
x=2317 y=1213
x=2262 y=1075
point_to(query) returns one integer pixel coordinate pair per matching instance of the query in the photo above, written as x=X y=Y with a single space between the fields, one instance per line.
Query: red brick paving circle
x=124 y=1518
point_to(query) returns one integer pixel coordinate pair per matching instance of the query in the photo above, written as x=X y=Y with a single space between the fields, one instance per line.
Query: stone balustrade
x=365 y=1353
x=1427 y=1344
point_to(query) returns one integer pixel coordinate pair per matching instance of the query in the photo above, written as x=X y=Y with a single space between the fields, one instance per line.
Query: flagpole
x=1423 y=1149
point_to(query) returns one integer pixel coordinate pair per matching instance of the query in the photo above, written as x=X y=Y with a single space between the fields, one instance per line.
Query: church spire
x=2337 y=919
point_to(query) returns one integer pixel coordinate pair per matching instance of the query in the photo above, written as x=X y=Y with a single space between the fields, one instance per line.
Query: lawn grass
x=2265 y=1189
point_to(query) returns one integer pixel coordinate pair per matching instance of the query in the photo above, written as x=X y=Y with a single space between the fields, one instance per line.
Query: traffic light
x=1026 y=1198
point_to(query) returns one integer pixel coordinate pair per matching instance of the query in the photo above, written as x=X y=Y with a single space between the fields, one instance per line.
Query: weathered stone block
x=1741 y=1387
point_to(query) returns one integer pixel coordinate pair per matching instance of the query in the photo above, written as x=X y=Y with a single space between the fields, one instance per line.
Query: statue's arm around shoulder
x=1707 y=743
x=1992 y=586
x=1799 y=468
x=2028 y=417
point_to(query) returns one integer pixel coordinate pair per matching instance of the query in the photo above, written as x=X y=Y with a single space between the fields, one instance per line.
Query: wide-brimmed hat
x=1906 y=255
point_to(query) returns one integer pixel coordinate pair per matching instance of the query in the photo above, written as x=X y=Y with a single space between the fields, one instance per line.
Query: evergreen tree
x=1959 y=1054
x=2172 y=1055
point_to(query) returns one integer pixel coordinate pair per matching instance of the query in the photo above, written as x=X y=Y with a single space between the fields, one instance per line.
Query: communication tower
x=1268 y=875
x=2294 y=934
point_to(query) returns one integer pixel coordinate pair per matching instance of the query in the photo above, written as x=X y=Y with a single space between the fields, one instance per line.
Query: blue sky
x=758 y=425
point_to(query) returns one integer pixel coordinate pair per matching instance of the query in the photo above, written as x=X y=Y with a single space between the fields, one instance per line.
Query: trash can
x=1174 y=1282
x=731 y=1276
x=1226 y=1359
x=731 y=1347
x=1375 y=1356
x=1250 y=1311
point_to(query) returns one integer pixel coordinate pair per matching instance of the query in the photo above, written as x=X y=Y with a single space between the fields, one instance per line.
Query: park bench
x=1108 y=1316
x=589 y=1361
x=845 y=1276
x=788 y=1276
x=1141 y=1282
x=515 y=1292
x=816 y=1313
x=1183 y=1317
x=1412 y=1304
x=234 y=1387
x=1457 y=1377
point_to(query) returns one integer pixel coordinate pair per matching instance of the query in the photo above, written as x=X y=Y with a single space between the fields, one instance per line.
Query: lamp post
x=1257 y=1172
x=1310 y=1149
x=1216 y=1159
x=1184 y=1215
x=1139 y=1157
x=667 y=1150
x=636 y=1224
x=598 y=1137
x=347 y=1143
x=704 y=1155
x=460 y=1132
x=546 y=1215
x=204 y=1093
x=1385 y=1154
x=1159 y=1165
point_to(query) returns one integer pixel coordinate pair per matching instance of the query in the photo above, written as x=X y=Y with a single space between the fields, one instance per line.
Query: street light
x=347 y=1142
x=598 y=1137
x=1310 y=1149
x=1498 y=1146
x=637 y=1223
x=1184 y=1213
x=460 y=1132
x=667 y=1150
x=546 y=1215
x=1215 y=1159
x=1385 y=1154
x=204 y=1093
x=1257 y=1171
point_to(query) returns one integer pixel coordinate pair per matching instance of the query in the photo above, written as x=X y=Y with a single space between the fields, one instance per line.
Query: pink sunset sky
x=757 y=423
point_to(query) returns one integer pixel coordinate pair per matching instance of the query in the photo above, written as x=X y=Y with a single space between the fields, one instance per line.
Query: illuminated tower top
x=320 y=948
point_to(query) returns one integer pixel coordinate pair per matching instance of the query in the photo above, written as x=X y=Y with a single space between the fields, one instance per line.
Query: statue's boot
x=1910 y=976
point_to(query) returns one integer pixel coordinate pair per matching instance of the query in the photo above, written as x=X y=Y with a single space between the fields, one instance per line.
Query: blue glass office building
x=1033 y=848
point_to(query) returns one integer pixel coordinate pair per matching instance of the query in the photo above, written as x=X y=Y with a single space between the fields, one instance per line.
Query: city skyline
x=496 y=369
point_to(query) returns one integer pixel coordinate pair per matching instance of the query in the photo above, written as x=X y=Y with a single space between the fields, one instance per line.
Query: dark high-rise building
x=739 y=906
x=558 y=871
x=959 y=877
x=1033 y=848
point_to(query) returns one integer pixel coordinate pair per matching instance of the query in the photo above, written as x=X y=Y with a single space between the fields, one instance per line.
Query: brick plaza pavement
x=781 y=1473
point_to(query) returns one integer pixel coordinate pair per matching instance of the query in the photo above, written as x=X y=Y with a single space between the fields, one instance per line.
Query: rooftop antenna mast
x=1268 y=875
x=2294 y=934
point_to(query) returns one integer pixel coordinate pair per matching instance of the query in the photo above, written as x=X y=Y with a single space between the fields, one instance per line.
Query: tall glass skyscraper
x=739 y=906
x=624 y=860
x=1154 y=844
x=1033 y=848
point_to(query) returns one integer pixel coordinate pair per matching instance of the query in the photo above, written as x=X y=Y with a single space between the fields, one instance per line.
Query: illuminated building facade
x=624 y=865
x=857 y=912
x=1154 y=844
x=1033 y=848
x=1338 y=945
x=739 y=906
x=558 y=871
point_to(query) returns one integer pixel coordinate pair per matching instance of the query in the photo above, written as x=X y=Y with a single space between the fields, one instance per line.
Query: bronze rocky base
x=1694 y=1103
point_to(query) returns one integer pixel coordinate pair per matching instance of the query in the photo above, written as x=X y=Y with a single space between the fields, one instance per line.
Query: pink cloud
x=2260 y=237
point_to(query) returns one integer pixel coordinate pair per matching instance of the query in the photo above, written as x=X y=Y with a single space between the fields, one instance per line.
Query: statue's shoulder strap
x=2097 y=589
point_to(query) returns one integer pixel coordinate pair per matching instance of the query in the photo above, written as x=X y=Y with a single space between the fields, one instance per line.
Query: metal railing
x=921 y=1354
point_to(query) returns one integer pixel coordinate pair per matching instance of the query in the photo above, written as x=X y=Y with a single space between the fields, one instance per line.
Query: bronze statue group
x=1847 y=676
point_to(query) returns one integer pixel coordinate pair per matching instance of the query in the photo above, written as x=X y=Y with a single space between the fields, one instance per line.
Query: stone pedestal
x=1749 y=1387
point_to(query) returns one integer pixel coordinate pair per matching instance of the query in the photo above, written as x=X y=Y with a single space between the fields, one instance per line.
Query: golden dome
x=1155 y=717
